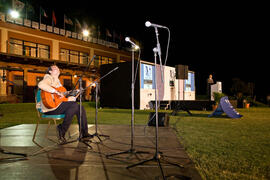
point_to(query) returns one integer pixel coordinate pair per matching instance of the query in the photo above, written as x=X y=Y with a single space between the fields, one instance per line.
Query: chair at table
x=42 y=116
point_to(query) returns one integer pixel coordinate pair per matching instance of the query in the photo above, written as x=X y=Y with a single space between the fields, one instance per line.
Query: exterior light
x=136 y=47
x=14 y=14
x=85 y=32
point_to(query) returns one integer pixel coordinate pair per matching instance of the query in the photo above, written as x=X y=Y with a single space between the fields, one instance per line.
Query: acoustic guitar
x=52 y=100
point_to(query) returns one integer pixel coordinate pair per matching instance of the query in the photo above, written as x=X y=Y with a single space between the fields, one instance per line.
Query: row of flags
x=77 y=23
x=19 y=6
x=54 y=21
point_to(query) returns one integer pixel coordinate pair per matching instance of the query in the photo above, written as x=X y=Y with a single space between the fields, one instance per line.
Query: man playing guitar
x=68 y=106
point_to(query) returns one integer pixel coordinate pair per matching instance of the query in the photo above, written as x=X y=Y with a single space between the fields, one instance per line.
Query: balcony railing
x=55 y=30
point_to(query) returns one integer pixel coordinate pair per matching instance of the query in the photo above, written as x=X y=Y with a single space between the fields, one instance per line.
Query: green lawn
x=221 y=148
x=224 y=148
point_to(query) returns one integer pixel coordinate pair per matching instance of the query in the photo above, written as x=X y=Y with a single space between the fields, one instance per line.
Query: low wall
x=9 y=99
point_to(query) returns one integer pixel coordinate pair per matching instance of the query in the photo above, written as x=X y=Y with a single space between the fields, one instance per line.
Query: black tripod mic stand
x=96 y=115
x=132 y=150
x=158 y=155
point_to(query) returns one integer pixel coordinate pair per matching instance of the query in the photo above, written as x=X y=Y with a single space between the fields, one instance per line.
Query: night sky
x=227 y=40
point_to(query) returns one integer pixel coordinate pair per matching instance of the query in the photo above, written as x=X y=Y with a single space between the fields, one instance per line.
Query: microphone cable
x=137 y=67
x=168 y=44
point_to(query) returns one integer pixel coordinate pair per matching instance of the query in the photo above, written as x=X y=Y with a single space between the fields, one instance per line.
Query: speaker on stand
x=181 y=73
x=163 y=119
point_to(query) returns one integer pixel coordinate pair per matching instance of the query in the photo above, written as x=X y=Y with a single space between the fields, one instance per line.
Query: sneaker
x=60 y=136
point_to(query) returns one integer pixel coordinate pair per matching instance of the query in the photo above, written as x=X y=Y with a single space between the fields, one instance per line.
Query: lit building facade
x=28 y=48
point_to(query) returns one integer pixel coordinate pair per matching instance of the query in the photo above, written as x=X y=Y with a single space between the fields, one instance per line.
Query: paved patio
x=78 y=160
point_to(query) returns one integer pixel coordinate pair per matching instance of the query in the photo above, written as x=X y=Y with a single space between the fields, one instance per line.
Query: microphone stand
x=96 y=114
x=7 y=152
x=132 y=149
x=158 y=155
x=80 y=103
x=80 y=139
x=159 y=53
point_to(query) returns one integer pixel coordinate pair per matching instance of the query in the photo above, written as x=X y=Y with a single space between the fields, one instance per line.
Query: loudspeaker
x=181 y=71
x=163 y=119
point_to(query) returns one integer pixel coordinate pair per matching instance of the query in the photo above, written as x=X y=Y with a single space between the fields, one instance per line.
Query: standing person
x=69 y=107
x=93 y=93
x=209 y=82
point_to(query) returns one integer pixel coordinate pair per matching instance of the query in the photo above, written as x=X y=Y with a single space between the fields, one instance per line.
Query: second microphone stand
x=96 y=114
x=96 y=97
x=158 y=155
x=132 y=149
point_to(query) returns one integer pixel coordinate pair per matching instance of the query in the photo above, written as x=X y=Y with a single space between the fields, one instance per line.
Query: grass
x=224 y=148
x=25 y=113
x=220 y=147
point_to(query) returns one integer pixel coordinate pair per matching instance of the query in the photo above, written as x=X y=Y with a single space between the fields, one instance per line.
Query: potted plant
x=246 y=102
x=217 y=97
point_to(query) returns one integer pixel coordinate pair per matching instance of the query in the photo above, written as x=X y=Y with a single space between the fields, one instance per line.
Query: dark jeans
x=70 y=109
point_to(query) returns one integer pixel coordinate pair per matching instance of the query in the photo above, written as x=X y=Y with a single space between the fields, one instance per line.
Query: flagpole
x=52 y=19
x=39 y=16
x=64 y=23
x=26 y=10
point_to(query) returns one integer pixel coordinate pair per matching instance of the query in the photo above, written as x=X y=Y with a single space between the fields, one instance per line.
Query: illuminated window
x=27 y=48
x=74 y=56
x=99 y=60
x=83 y=58
x=16 y=46
x=64 y=55
x=43 y=51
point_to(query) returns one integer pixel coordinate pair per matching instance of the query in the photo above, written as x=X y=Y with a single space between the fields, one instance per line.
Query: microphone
x=127 y=39
x=148 y=24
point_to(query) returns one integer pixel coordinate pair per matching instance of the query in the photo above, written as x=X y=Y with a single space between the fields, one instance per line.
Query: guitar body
x=52 y=100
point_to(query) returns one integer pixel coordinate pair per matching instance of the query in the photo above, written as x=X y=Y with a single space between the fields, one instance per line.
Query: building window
x=64 y=55
x=99 y=60
x=43 y=51
x=83 y=58
x=74 y=56
x=27 y=48
x=16 y=46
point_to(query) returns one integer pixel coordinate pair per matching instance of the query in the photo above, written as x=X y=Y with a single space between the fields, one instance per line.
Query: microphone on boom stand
x=132 y=149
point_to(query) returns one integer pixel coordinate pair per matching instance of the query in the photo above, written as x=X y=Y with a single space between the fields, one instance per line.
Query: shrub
x=218 y=96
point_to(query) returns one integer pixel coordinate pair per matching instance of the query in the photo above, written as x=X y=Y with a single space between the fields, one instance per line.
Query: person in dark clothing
x=209 y=82
x=93 y=93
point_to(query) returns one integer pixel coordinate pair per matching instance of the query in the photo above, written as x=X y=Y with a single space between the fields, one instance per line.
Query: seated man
x=69 y=107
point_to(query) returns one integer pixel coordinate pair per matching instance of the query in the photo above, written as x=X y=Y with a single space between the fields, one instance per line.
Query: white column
x=55 y=50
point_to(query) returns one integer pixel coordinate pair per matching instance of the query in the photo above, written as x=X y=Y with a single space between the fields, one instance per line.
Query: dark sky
x=227 y=40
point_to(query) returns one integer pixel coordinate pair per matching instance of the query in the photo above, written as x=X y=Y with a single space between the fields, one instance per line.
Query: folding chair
x=42 y=116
